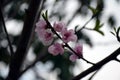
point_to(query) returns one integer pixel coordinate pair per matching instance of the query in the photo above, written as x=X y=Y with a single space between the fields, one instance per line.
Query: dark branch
x=39 y=58
x=87 y=61
x=116 y=59
x=18 y=58
x=117 y=34
x=95 y=73
x=4 y=27
x=84 y=26
x=98 y=65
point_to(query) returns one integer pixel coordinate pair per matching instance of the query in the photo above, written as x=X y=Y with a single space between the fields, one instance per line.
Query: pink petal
x=47 y=42
x=59 y=26
x=41 y=24
x=45 y=36
x=73 y=38
x=52 y=50
x=68 y=35
x=78 y=49
x=73 y=58
x=56 y=49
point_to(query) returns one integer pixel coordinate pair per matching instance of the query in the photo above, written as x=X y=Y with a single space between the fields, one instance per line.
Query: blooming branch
x=60 y=30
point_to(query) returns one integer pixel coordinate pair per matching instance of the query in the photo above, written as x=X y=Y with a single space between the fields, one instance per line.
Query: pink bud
x=45 y=36
x=56 y=49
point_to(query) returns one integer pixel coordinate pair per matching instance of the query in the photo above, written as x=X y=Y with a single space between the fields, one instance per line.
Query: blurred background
x=97 y=43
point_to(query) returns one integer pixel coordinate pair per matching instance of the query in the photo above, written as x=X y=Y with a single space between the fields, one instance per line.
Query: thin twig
x=91 y=77
x=95 y=73
x=87 y=61
x=85 y=24
x=4 y=27
x=39 y=58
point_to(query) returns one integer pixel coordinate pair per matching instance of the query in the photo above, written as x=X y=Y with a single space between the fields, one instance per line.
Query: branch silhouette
x=18 y=58
x=98 y=65
x=5 y=30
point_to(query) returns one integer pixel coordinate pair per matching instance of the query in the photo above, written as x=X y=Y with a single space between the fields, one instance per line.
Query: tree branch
x=98 y=65
x=95 y=73
x=117 y=34
x=116 y=59
x=84 y=26
x=18 y=58
x=4 y=27
x=39 y=58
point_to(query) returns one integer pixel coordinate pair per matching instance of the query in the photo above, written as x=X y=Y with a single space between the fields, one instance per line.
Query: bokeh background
x=74 y=13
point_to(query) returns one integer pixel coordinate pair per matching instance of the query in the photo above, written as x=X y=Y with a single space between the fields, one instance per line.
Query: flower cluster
x=46 y=36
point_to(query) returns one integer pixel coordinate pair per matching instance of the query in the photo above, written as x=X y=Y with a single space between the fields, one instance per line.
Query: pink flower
x=59 y=26
x=73 y=57
x=41 y=24
x=79 y=50
x=45 y=36
x=56 y=49
x=68 y=35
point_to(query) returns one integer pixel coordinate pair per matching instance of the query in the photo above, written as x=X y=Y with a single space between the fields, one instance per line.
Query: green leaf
x=46 y=14
x=101 y=25
x=112 y=33
x=115 y=29
x=118 y=29
x=43 y=15
x=101 y=32
x=117 y=33
x=92 y=9
x=95 y=11
x=97 y=25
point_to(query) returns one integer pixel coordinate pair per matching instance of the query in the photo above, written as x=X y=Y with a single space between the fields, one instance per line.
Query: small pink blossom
x=56 y=49
x=45 y=36
x=79 y=50
x=59 y=26
x=68 y=35
x=41 y=24
x=73 y=57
